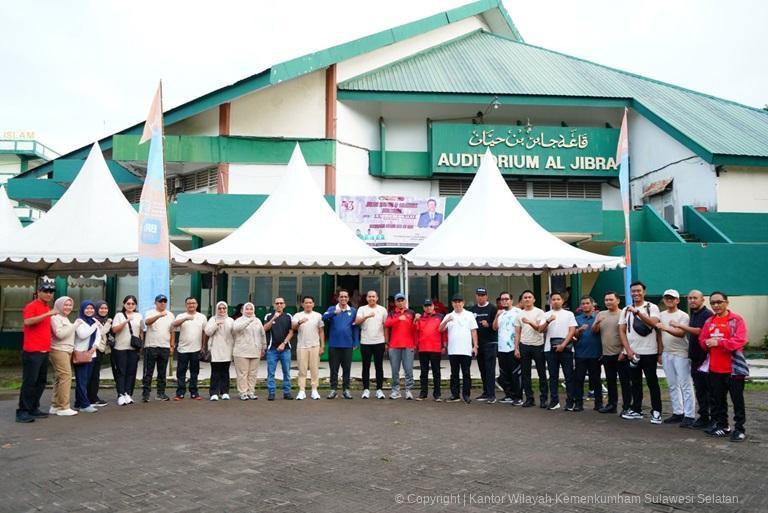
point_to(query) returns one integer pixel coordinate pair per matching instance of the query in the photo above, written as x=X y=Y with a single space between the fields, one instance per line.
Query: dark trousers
x=460 y=362
x=425 y=360
x=613 y=367
x=533 y=354
x=591 y=365
x=647 y=366
x=83 y=373
x=340 y=357
x=721 y=385
x=510 y=375
x=186 y=361
x=93 y=383
x=555 y=361
x=219 y=378
x=34 y=375
x=155 y=357
x=124 y=365
x=486 y=363
x=377 y=352
x=701 y=388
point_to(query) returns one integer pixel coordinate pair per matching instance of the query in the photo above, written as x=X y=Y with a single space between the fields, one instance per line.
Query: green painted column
x=62 y=286
x=110 y=294
x=453 y=287
x=222 y=287
x=196 y=279
x=537 y=290
x=434 y=285
x=576 y=291
x=326 y=291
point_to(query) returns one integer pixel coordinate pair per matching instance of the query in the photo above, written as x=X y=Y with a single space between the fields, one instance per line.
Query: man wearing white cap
x=674 y=359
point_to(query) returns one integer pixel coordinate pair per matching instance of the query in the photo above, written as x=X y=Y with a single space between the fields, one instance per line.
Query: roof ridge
x=629 y=73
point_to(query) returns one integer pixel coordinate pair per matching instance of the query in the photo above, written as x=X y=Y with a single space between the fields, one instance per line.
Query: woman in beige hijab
x=250 y=341
x=220 y=344
x=62 y=345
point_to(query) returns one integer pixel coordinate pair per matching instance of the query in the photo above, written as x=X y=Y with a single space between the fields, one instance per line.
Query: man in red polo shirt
x=37 y=344
x=431 y=343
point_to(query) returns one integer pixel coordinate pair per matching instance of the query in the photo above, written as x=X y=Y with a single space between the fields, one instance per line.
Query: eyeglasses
x=716 y=302
x=279 y=302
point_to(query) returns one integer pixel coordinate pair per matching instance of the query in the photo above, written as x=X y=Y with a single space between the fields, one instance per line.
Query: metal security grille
x=198 y=181
x=567 y=190
x=458 y=187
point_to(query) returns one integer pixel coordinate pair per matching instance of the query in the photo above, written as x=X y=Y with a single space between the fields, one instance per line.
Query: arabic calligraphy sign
x=525 y=149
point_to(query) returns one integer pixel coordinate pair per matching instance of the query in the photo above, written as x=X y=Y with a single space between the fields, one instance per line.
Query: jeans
x=427 y=359
x=534 y=354
x=83 y=374
x=486 y=363
x=678 y=372
x=397 y=357
x=124 y=365
x=155 y=357
x=647 y=366
x=340 y=356
x=93 y=383
x=219 y=378
x=186 y=361
x=613 y=367
x=284 y=356
x=721 y=386
x=510 y=375
x=377 y=352
x=460 y=362
x=556 y=360
x=34 y=375
x=591 y=365
x=702 y=390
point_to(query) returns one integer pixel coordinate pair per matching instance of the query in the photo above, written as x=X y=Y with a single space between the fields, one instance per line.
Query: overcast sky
x=76 y=71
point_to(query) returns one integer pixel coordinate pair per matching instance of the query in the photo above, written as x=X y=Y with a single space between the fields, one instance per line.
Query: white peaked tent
x=92 y=229
x=9 y=221
x=295 y=228
x=490 y=231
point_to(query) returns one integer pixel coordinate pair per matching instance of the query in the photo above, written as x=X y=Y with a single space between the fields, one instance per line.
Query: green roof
x=485 y=63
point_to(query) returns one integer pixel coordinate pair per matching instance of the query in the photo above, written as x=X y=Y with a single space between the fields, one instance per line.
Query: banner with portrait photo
x=391 y=221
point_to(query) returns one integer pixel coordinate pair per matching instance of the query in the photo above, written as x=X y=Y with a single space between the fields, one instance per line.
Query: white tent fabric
x=91 y=229
x=490 y=231
x=294 y=227
x=9 y=221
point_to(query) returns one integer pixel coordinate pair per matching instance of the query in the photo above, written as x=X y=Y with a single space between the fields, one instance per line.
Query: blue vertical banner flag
x=154 y=245
x=622 y=156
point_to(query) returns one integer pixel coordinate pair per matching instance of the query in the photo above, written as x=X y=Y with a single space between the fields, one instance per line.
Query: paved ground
x=371 y=456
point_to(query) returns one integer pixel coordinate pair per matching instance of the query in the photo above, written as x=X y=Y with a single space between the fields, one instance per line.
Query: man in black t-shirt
x=278 y=325
x=487 y=340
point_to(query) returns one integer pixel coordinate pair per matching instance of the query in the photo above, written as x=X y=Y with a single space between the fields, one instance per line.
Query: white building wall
x=741 y=189
x=205 y=123
x=263 y=178
x=654 y=156
x=352 y=177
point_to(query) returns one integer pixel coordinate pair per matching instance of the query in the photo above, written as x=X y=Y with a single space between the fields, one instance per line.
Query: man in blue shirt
x=343 y=337
x=588 y=348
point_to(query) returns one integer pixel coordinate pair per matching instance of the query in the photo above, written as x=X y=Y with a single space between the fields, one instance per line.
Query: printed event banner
x=391 y=221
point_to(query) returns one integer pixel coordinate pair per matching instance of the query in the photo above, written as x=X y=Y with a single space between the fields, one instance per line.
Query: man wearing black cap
x=37 y=344
x=487 y=344
x=158 y=346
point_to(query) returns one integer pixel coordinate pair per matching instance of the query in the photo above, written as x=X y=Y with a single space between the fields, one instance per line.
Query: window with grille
x=459 y=186
x=567 y=190
x=205 y=180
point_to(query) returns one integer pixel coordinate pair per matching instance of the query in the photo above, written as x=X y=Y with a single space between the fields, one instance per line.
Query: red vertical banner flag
x=622 y=156
x=154 y=245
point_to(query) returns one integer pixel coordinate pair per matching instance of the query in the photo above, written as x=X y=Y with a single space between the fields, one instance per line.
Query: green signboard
x=525 y=150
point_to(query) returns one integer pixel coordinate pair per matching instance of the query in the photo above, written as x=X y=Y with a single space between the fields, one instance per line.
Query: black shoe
x=491 y=400
x=568 y=405
x=144 y=398
x=481 y=398
x=528 y=403
x=162 y=397
x=24 y=417
x=421 y=397
x=288 y=397
x=543 y=404
x=39 y=414
x=714 y=429
x=271 y=396
x=598 y=406
x=687 y=423
x=578 y=407
x=738 y=436
x=608 y=408
x=673 y=419
x=454 y=399
x=702 y=423
x=331 y=395
x=467 y=399
x=99 y=403
x=554 y=405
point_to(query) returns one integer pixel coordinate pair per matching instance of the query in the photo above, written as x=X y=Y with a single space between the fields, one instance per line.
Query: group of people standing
x=700 y=351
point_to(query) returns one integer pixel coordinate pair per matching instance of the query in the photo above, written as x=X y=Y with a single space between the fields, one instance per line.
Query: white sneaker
x=128 y=399
x=395 y=395
x=656 y=417
x=408 y=395
x=380 y=394
x=53 y=410
x=366 y=394
x=252 y=397
x=315 y=395
x=90 y=409
x=214 y=397
x=68 y=412
x=225 y=397
x=301 y=395
x=121 y=400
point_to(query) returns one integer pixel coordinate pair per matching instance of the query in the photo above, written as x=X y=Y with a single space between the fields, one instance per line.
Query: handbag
x=136 y=342
x=81 y=357
x=205 y=354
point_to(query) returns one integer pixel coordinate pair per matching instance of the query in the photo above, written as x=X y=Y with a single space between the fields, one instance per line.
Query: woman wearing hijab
x=62 y=345
x=87 y=334
x=220 y=344
x=102 y=349
x=125 y=358
x=250 y=341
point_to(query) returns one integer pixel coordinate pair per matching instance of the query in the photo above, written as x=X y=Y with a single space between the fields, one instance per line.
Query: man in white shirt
x=529 y=347
x=637 y=330
x=462 y=345
x=310 y=344
x=509 y=366
x=558 y=350
x=158 y=346
x=190 y=325
x=674 y=359
x=373 y=342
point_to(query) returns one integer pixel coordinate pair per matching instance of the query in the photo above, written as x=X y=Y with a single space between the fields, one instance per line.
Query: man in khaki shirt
x=614 y=355
x=158 y=346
